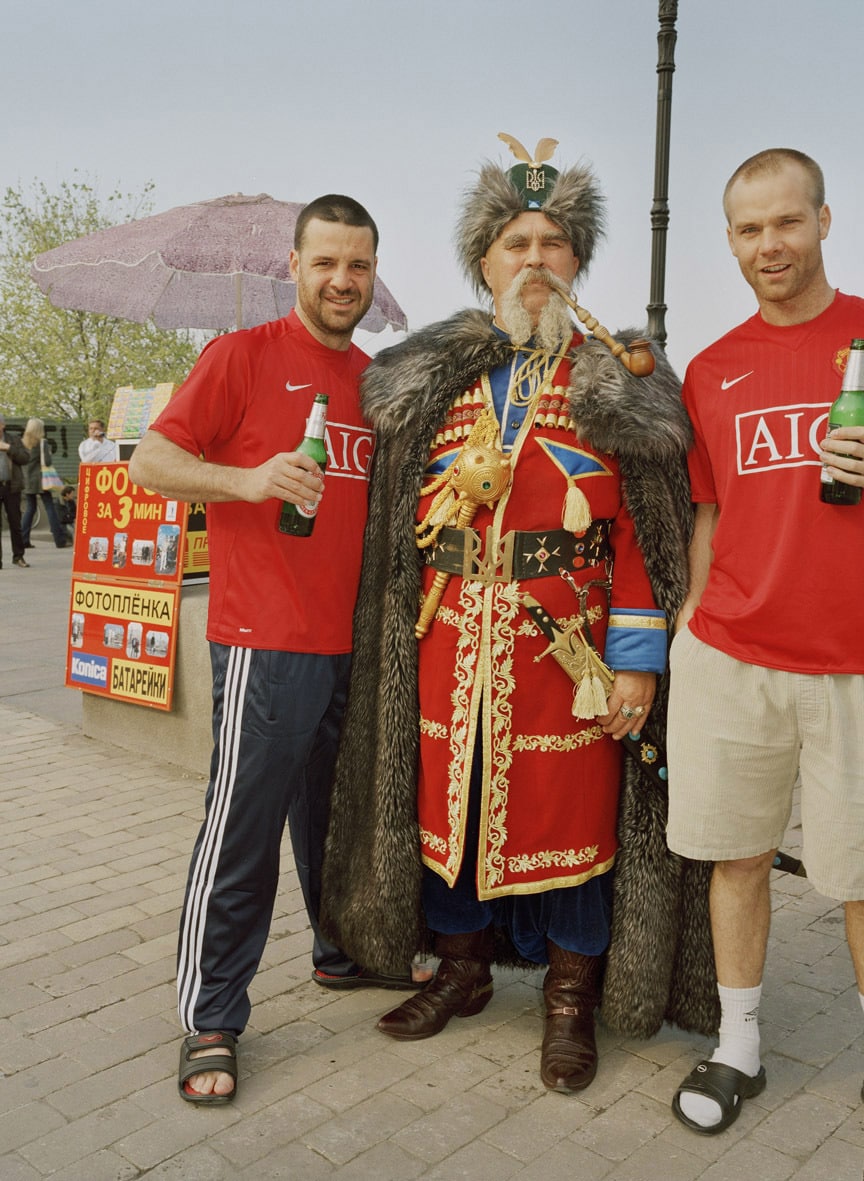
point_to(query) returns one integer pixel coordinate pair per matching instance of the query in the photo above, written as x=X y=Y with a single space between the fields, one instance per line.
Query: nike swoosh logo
x=291 y=388
x=725 y=384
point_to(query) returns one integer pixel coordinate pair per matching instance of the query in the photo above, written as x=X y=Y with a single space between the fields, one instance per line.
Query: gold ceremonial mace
x=479 y=475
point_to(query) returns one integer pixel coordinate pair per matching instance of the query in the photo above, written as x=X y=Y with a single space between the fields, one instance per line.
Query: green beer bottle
x=299 y=519
x=848 y=410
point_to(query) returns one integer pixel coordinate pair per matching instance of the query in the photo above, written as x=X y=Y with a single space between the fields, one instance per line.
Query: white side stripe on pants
x=204 y=870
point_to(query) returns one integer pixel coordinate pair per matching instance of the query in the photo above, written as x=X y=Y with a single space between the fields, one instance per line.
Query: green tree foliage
x=56 y=363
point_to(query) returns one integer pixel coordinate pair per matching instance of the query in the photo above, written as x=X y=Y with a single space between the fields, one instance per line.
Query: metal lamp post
x=666 y=37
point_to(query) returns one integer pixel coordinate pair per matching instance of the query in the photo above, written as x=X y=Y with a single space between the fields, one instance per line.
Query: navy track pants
x=276 y=723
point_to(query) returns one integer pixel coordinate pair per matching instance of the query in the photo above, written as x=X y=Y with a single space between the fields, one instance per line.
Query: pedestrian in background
x=13 y=457
x=39 y=454
x=67 y=510
x=96 y=448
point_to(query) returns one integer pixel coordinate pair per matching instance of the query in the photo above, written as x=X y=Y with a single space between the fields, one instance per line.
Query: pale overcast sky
x=397 y=102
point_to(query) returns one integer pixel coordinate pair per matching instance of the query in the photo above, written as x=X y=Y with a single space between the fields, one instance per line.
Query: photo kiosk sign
x=132 y=412
x=127 y=570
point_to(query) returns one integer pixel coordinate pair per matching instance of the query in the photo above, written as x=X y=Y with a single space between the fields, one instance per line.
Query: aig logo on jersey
x=349 y=450
x=780 y=436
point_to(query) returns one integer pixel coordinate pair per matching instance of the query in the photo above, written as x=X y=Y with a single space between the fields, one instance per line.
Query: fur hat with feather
x=574 y=202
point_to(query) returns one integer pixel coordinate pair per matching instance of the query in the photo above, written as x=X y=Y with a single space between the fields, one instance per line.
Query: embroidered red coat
x=550 y=781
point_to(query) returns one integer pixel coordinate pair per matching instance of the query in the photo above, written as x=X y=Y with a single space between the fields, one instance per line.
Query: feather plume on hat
x=574 y=202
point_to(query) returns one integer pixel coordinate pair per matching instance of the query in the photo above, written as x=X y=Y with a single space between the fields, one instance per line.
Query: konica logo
x=90 y=670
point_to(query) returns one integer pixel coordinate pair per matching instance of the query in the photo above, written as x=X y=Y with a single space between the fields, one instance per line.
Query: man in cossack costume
x=529 y=517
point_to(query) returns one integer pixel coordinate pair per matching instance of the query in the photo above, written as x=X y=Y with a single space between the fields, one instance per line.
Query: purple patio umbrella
x=214 y=264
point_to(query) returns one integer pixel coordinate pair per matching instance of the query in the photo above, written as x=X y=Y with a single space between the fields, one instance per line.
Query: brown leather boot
x=571 y=990
x=461 y=988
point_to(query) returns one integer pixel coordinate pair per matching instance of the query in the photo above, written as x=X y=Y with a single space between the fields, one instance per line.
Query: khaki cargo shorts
x=739 y=736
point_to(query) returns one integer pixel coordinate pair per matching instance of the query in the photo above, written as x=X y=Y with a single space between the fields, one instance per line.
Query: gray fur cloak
x=660 y=963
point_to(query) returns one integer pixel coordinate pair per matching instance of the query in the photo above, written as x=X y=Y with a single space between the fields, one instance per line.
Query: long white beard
x=554 y=327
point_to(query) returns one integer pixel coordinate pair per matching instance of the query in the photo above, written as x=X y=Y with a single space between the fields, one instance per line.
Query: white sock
x=861 y=999
x=739 y=1047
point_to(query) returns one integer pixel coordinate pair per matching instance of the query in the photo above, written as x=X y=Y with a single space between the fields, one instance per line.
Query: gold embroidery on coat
x=431 y=841
x=503 y=606
x=566 y=858
x=558 y=742
x=433 y=729
x=461 y=728
x=449 y=616
x=654 y=622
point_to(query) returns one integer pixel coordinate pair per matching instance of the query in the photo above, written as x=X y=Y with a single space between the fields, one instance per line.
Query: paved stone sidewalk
x=95 y=844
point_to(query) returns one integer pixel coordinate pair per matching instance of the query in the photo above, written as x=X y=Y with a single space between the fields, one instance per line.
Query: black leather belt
x=518 y=556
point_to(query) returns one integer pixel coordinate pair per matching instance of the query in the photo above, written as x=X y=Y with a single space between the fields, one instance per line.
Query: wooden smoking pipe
x=639 y=361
